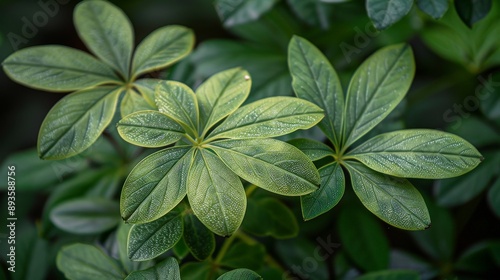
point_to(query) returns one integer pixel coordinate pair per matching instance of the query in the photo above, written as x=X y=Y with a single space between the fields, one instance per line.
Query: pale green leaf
x=155 y=185
x=270 y=164
x=87 y=215
x=328 y=195
x=313 y=149
x=179 y=102
x=269 y=117
x=147 y=241
x=147 y=89
x=394 y=200
x=161 y=48
x=314 y=79
x=82 y=262
x=57 y=68
x=376 y=88
x=418 y=153
x=166 y=270
x=240 y=274
x=133 y=102
x=215 y=194
x=434 y=8
x=199 y=239
x=76 y=121
x=107 y=32
x=221 y=95
x=235 y=12
x=385 y=13
x=149 y=129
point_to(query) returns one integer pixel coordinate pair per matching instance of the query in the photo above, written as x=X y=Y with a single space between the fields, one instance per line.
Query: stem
x=224 y=248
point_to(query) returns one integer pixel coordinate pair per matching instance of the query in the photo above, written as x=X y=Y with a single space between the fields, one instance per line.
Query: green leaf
x=385 y=13
x=328 y=195
x=392 y=274
x=394 y=200
x=359 y=232
x=178 y=101
x=490 y=98
x=199 y=239
x=180 y=249
x=133 y=102
x=155 y=185
x=241 y=274
x=294 y=252
x=313 y=149
x=147 y=89
x=471 y=11
x=147 y=241
x=313 y=12
x=457 y=191
x=107 y=32
x=166 y=270
x=221 y=95
x=494 y=197
x=161 y=48
x=32 y=253
x=270 y=164
x=149 y=129
x=76 y=121
x=481 y=258
x=376 y=88
x=234 y=12
x=253 y=258
x=216 y=194
x=122 y=240
x=314 y=79
x=434 y=8
x=269 y=117
x=197 y=270
x=90 y=215
x=57 y=68
x=81 y=262
x=418 y=153
x=270 y=217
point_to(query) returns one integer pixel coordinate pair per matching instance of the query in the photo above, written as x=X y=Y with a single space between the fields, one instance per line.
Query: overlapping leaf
x=199 y=239
x=165 y=270
x=385 y=13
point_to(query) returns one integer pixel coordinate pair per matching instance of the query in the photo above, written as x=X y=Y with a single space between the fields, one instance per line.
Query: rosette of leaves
x=100 y=82
x=378 y=167
x=216 y=143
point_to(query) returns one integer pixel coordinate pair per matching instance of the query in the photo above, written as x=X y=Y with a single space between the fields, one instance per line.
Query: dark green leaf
x=394 y=200
x=403 y=260
x=385 y=13
x=147 y=241
x=57 y=68
x=360 y=232
x=252 y=258
x=313 y=149
x=471 y=11
x=490 y=97
x=76 y=121
x=198 y=238
x=240 y=274
x=481 y=258
x=294 y=252
x=390 y=275
x=196 y=271
x=90 y=215
x=81 y=262
x=313 y=12
x=434 y=8
x=166 y=270
x=180 y=249
x=494 y=197
x=328 y=195
x=33 y=258
x=234 y=12
x=107 y=32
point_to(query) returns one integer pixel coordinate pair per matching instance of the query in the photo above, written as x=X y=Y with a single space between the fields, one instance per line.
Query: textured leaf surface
x=241 y=274
x=107 y=32
x=330 y=192
x=216 y=194
x=376 y=88
x=57 y=68
x=385 y=13
x=122 y=243
x=178 y=101
x=81 y=262
x=221 y=95
x=418 y=153
x=76 y=121
x=199 y=239
x=155 y=185
x=394 y=200
x=434 y=8
x=269 y=117
x=314 y=79
x=234 y=12
x=147 y=241
x=166 y=270
x=162 y=48
x=270 y=164
x=149 y=129
x=313 y=149
x=90 y=215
